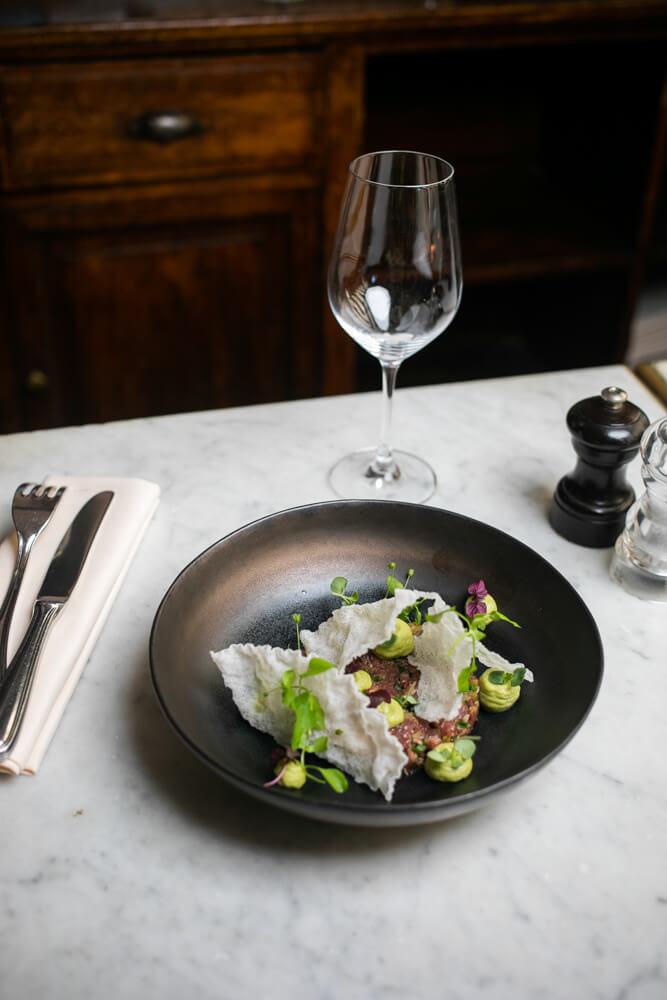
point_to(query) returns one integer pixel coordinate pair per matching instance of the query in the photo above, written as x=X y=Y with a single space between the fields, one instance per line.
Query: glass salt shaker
x=639 y=562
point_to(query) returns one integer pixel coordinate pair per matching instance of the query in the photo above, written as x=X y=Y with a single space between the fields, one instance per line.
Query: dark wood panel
x=106 y=121
x=141 y=312
x=113 y=27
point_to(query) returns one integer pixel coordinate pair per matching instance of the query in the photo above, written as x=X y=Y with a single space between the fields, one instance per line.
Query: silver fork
x=31 y=509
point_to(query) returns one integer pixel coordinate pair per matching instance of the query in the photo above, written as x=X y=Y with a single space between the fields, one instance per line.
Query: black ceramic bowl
x=246 y=587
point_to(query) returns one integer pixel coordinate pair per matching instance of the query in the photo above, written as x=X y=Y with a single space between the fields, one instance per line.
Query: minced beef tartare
x=399 y=679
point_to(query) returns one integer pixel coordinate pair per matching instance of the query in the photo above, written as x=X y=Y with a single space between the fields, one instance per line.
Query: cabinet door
x=135 y=303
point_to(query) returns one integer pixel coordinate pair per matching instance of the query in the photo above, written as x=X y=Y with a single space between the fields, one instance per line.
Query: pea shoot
x=476 y=625
x=338 y=588
x=514 y=679
x=296 y=618
x=308 y=735
x=393 y=583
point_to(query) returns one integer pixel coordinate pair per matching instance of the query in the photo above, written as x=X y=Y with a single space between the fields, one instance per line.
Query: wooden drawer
x=116 y=121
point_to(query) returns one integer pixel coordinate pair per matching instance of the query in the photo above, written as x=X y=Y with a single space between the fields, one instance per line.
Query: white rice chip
x=497 y=662
x=363 y=745
x=441 y=652
x=252 y=673
x=355 y=628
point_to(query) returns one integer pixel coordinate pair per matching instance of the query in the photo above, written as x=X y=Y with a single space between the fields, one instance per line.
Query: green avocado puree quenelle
x=499 y=690
x=401 y=643
x=450 y=761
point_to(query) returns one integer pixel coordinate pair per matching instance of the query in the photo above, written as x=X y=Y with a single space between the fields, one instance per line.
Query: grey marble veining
x=128 y=870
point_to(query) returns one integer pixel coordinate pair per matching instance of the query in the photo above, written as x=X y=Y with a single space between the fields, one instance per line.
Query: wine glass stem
x=384 y=459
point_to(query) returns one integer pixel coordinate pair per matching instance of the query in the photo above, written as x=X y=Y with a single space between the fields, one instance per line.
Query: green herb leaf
x=309 y=718
x=318 y=746
x=476 y=629
x=463 y=681
x=312 y=777
x=335 y=778
x=436 y=617
x=465 y=747
x=317 y=666
x=338 y=585
x=496 y=616
x=439 y=756
x=412 y=609
x=405 y=700
x=393 y=585
x=497 y=677
x=419 y=747
x=287 y=685
x=516 y=679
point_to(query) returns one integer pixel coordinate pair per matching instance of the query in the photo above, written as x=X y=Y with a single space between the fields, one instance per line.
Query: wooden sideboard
x=171 y=176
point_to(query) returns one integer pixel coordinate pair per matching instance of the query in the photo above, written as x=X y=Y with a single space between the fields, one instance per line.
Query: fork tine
x=24 y=489
x=61 y=490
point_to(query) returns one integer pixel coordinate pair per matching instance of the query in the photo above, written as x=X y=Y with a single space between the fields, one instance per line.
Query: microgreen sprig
x=455 y=757
x=338 y=587
x=296 y=618
x=515 y=678
x=309 y=722
x=475 y=629
x=393 y=583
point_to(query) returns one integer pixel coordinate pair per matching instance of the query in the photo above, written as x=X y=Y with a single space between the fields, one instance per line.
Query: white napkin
x=72 y=636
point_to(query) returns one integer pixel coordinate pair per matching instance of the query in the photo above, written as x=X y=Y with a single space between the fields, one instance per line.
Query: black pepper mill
x=589 y=505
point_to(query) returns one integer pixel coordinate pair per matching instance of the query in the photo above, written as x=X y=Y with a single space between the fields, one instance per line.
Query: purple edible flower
x=475 y=608
x=476 y=605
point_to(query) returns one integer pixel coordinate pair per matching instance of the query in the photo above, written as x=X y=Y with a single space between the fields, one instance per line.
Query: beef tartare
x=399 y=679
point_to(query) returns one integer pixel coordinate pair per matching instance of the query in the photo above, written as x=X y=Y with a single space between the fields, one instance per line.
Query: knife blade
x=57 y=586
x=71 y=554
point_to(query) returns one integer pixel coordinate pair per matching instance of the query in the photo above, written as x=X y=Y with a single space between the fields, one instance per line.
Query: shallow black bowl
x=246 y=587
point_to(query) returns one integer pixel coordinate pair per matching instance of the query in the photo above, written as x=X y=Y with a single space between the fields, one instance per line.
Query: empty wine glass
x=394 y=285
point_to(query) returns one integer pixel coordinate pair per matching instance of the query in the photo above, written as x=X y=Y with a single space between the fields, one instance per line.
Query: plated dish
x=379 y=689
x=245 y=589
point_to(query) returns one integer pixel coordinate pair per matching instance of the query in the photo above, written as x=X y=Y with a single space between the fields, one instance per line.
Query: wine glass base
x=410 y=478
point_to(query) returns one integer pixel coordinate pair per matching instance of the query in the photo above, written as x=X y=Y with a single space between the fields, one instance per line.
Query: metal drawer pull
x=37 y=381
x=164 y=126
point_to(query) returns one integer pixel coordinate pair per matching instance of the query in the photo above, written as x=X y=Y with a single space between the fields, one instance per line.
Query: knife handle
x=15 y=688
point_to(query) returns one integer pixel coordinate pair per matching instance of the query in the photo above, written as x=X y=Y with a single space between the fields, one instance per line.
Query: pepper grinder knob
x=590 y=505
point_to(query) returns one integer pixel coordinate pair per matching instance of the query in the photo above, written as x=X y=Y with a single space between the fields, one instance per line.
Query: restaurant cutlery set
x=32 y=509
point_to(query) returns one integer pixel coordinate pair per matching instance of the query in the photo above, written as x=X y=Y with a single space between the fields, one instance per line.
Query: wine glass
x=394 y=285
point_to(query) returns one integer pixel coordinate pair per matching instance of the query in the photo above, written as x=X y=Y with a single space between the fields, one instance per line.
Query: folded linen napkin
x=72 y=636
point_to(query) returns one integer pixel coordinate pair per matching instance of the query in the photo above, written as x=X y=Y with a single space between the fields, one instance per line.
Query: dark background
x=148 y=273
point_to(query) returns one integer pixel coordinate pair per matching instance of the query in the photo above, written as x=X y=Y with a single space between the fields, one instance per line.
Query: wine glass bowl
x=394 y=286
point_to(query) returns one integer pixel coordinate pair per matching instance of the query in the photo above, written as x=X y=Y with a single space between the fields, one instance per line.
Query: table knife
x=56 y=588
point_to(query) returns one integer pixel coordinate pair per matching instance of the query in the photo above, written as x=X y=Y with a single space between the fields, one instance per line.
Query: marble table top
x=129 y=870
